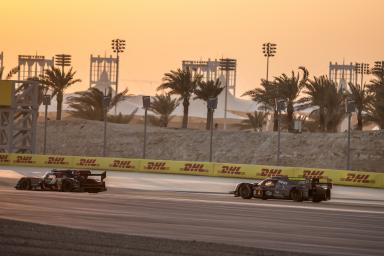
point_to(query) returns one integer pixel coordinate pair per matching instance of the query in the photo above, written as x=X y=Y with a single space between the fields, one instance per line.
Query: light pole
x=269 y=50
x=118 y=46
x=46 y=103
x=280 y=107
x=349 y=109
x=63 y=60
x=212 y=105
x=106 y=102
x=226 y=65
x=146 y=106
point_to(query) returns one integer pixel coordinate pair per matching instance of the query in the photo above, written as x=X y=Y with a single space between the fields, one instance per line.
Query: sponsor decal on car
x=4 y=159
x=53 y=160
x=357 y=178
x=125 y=164
x=194 y=167
x=231 y=169
x=266 y=172
x=161 y=166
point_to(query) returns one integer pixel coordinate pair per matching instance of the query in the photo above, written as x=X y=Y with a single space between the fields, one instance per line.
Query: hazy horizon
x=160 y=34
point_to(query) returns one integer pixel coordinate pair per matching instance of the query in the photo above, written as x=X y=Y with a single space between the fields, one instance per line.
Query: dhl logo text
x=313 y=174
x=156 y=166
x=357 y=178
x=190 y=167
x=24 y=160
x=270 y=172
x=4 y=159
x=88 y=162
x=56 y=160
x=231 y=170
x=122 y=164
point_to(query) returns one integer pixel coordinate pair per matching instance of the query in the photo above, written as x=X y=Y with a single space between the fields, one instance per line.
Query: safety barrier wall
x=246 y=171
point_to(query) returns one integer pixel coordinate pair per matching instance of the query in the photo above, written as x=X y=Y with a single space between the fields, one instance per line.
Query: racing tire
x=263 y=195
x=318 y=196
x=67 y=186
x=297 y=195
x=25 y=184
x=245 y=191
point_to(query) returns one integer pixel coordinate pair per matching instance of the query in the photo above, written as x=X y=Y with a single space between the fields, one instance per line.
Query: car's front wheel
x=245 y=191
x=297 y=195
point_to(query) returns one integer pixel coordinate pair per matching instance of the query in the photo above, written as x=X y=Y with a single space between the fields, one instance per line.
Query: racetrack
x=201 y=209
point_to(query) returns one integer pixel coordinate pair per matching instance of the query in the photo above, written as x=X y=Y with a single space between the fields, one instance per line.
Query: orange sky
x=161 y=33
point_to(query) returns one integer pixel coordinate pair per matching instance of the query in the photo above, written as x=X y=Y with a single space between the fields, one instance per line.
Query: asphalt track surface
x=201 y=209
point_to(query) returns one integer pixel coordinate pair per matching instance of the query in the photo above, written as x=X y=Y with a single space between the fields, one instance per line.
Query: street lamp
x=361 y=68
x=63 y=60
x=269 y=50
x=280 y=107
x=349 y=109
x=118 y=46
x=106 y=102
x=46 y=103
x=146 y=106
x=226 y=65
x=212 y=105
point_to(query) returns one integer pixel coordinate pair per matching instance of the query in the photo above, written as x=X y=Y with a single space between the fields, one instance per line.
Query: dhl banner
x=247 y=171
x=177 y=167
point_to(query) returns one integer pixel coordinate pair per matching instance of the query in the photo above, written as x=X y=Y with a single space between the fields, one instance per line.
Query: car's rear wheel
x=67 y=186
x=297 y=195
x=245 y=191
x=318 y=196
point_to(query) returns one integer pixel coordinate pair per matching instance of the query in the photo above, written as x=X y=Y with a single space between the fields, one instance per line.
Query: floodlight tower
x=63 y=60
x=362 y=68
x=118 y=46
x=379 y=67
x=226 y=65
x=269 y=50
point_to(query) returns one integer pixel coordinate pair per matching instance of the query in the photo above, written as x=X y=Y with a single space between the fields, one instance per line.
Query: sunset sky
x=161 y=33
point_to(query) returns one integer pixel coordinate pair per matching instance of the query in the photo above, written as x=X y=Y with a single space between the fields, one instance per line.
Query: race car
x=65 y=181
x=283 y=187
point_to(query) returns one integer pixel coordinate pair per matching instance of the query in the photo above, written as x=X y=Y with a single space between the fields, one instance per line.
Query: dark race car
x=65 y=181
x=282 y=187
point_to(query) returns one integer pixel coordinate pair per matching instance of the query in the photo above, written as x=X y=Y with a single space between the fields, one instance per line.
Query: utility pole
x=350 y=107
x=280 y=107
x=118 y=46
x=106 y=102
x=226 y=65
x=46 y=103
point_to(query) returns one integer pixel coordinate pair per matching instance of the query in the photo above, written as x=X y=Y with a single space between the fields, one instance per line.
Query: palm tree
x=255 y=121
x=289 y=89
x=375 y=109
x=58 y=81
x=361 y=98
x=267 y=95
x=182 y=83
x=12 y=72
x=89 y=104
x=163 y=105
x=206 y=90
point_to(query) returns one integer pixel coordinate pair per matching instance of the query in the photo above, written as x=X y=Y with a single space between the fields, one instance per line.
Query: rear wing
x=102 y=175
x=324 y=182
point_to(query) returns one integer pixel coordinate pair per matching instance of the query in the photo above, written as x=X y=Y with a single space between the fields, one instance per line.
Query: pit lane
x=200 y=208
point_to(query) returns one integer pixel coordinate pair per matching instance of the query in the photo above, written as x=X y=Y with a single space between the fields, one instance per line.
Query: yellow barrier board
x=177 y=167
x=5 y=159
x=123 y=164
x=57 y=161
x=338 y=177
x=85 y=162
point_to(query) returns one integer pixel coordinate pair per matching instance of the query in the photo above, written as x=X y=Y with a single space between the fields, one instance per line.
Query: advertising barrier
x=245 y=171
x=177 y=167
